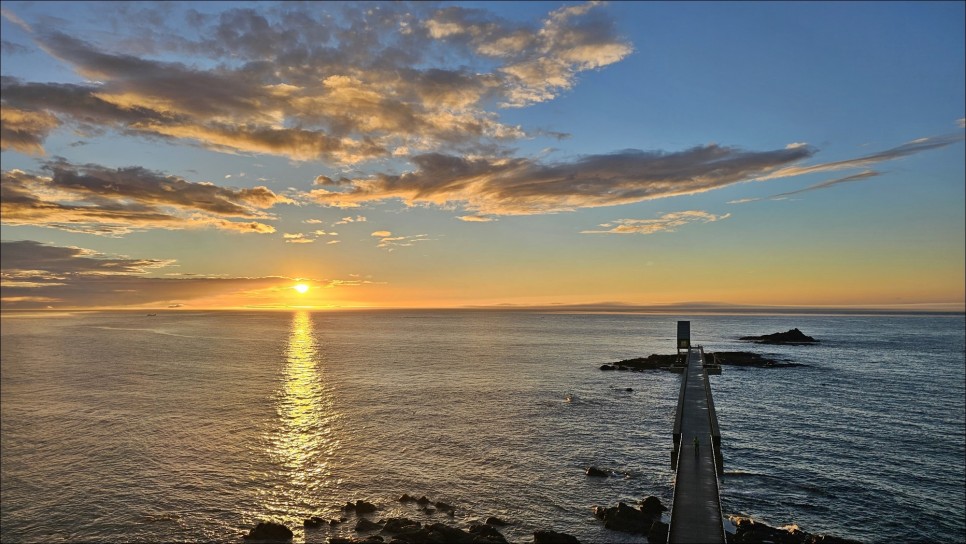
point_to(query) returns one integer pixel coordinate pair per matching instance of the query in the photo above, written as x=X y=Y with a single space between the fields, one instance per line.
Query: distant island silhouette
x=792 y=337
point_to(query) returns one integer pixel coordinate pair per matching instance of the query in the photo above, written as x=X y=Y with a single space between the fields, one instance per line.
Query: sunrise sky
x=214 y=155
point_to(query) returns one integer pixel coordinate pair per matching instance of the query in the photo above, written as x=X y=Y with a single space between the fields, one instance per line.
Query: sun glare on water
x=301 y=288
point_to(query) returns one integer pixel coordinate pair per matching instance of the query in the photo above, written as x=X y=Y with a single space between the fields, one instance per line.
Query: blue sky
x=809 y=154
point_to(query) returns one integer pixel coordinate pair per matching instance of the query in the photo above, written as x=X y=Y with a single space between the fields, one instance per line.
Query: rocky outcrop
x=627 y=519
x=360 y=507
x=748 y=531
x=792 y=337
x=595 y=472
x=269 y=531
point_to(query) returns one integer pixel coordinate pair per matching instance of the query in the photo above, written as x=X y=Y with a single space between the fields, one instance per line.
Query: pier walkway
x=696 y=507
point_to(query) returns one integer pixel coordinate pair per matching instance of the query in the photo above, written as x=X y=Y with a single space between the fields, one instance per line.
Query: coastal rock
x=363 y=507
x=367 y=525
x=422 y=501
x=487 y=532
x=493 y=520
x=608 y=367
x=595 y=472
x=400 y=525
x=658 y=532
x=406 y=498
x=314 y=522
x=651 y=506
x=443 y=507
x=627 y=519
x=269 y=531
x=438 y=532
x=553 y=537
x=792 y=337
x=748 y=531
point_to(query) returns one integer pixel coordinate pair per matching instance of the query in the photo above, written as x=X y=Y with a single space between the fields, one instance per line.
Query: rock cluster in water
x=403 y=530
x=793 y=337
x=748 y=531
x=645 y=520
x=724 y=358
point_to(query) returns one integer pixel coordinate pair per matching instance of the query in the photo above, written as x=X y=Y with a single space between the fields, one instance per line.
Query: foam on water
x=195 y=426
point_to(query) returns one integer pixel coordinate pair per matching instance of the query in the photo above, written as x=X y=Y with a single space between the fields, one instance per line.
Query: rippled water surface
x=195 y=426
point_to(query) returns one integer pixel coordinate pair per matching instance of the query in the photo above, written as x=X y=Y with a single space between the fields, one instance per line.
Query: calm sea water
x=195 y=426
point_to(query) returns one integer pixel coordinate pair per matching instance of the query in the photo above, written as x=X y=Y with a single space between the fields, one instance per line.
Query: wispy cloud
x=910 y=148
x=520 y=186
x=823 y=185
x=379 y=80
x=297 y=238
x=668 y=222
x=476 y=218
x=100 y=200
x=393 y=242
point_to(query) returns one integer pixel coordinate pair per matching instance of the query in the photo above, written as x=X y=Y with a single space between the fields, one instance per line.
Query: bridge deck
x=696 y=510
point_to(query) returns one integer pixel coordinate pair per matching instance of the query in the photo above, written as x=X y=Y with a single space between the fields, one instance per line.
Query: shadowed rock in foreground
x=269 y=532
x=793 y=337
x=748 y=531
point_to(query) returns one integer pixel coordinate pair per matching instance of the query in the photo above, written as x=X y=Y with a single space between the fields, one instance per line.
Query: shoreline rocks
x=749 y=531
x=269 y=531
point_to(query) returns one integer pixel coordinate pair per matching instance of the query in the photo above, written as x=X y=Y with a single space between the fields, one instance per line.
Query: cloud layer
x=35 y=275
x=520 y=186
x=343 y=85
x=95 y=199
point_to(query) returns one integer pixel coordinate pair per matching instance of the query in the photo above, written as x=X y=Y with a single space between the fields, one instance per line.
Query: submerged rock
x=595 y=472
x=493 y=520
x=269 y=531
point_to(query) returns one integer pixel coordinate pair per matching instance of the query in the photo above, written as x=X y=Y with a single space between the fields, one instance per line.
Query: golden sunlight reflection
x=301 y=288
x=303 y=441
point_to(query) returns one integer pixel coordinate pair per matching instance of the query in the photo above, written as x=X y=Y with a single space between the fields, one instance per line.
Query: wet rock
x=401 y=525
x=625 y=518
x=406 y=498
x=440 y=505
x=428 y=511
x=658 y=532
x=314 y=522
x=597 y=473
x=607 y=367
x=651 y=506
x=553 y=537
x=488 y=533
x=269 y=531
x=444 y=534
x=367 y=525
x=493 y=520
x=422 y=501
x=363 y=507
x=629 y=389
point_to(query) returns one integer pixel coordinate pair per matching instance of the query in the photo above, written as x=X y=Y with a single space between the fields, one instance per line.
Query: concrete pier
x=696 y=507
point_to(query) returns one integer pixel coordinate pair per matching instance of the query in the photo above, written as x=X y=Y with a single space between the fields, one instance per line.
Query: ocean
x=195 y=426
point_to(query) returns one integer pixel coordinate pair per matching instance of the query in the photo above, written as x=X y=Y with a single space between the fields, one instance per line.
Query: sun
x=301 y=288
